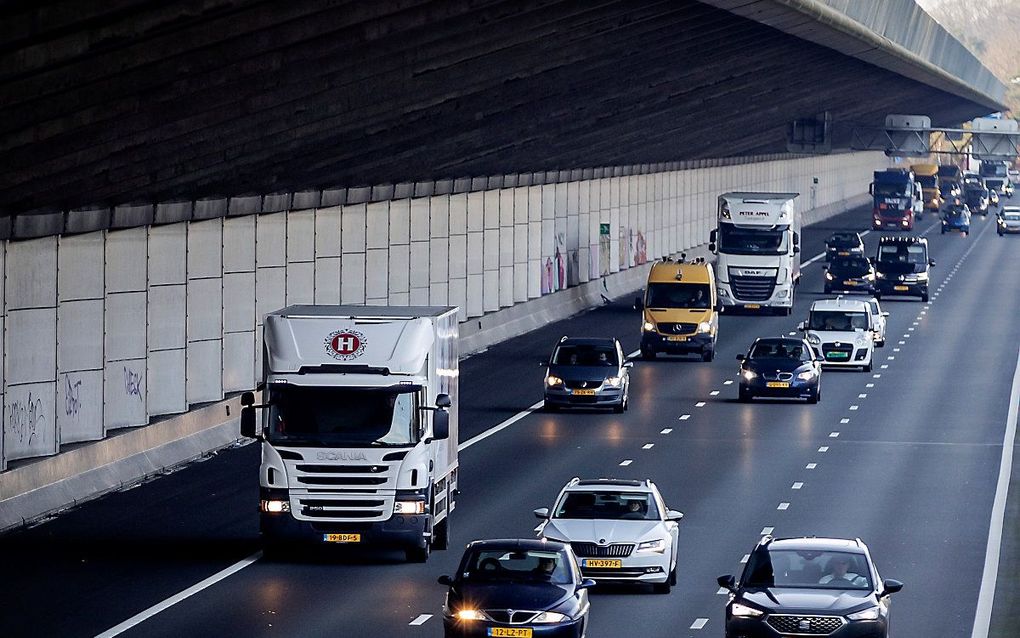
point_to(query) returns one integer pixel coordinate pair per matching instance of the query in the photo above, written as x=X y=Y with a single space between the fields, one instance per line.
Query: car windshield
x=851 y=264
x=585 y=355
x=1011 y=217
x=501 y=565
x=927 y=181
x=901 y=254
x=338 y=417
x=892 y=190
x=838 y=320
x=638 y=506
x=843 y=240
x=780 y=350
x=947 y=187
x=752 y=241
x=678 y=295
x=807 y=569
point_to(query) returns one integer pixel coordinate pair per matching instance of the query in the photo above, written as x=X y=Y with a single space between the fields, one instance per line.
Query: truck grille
x=752 y=288
x=591 y=550
x=805 y=625
x=315 y=507
x=342 y=492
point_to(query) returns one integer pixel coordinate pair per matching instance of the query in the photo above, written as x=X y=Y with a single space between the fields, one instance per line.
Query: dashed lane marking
x=647 y=446
x=797 y=485
x=728 y=382
x=699 y=623
x=747 y=557
x=626 y=462
x=810 y=466
x=699 y=404
x=877 y=375
x=844 y=421
x=783 y=506
x=684 y=417
x=823 y=449
x=884 y=366
x=765 y=531
x=833 y=435
x=420 y=620
x=665 y=430
x=862 y=395
x=713 y=393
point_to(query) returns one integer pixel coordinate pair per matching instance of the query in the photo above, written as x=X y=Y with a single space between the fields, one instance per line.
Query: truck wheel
x=417 y=554
x=441 y=533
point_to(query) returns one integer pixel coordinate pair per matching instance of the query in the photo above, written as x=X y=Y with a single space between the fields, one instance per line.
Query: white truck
x=358 y=426
x=757 y=243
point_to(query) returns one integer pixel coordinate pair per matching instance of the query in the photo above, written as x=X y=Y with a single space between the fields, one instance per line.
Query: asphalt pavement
x=906 y=458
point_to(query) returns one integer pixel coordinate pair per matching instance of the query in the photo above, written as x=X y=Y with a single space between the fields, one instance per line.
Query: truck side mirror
x=871 y=189
x=713 y=236
x=443 y=401
x=638 y=304
x=440 y=425
x=931 y=262
x=248 y=420
x=247 y=398
x=711 y=247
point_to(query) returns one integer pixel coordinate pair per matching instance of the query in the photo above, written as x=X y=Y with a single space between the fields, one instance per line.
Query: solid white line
x=496 y=428
x=699 y=623
x=420 y=620
x=173 y=600
x=983 y=615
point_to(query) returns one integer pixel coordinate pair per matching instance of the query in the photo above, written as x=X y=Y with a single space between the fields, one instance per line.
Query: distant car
x=878 y=321
x=809 y=587
x=1008 y=221
x=843 y=244
x=516 y=587
x=587 y=373
x=620 y=531
x=1007 y=189
x=955 y=217
x=850 y=274
x=976 y=197
x=780 y=367
x=842 y=330
x=950 y=190
x=993 y=198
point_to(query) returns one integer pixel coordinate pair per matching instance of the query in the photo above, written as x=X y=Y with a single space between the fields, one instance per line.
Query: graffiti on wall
x=132 y=383
x=25 y=419
x=72 y=397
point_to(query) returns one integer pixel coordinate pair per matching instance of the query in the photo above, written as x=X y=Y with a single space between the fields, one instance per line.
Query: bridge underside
x=113 y=102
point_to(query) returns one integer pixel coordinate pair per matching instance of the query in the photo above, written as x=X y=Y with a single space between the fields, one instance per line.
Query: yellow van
x=928 y=175
x=679 y=309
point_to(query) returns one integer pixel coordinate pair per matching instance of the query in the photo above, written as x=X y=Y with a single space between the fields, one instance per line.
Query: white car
x=877 y=320
x=843 y=331
x=620 y=530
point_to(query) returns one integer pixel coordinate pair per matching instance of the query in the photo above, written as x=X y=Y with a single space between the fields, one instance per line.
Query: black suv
x=902 y=267
x=809 y=586
x=850 y=274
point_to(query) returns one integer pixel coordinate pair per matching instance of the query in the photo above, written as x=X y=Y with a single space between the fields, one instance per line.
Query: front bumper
x=893 y=223
x=951 y=226
x=856 y=356
x=480 y=628
x=400 y=530
x=782 y=297
x=1012 y=230
x=798 y=388
x=677 y=344
x=908 y=289
x=602 y=397
x=759 y=628
x=637 y=568
x=851 y=285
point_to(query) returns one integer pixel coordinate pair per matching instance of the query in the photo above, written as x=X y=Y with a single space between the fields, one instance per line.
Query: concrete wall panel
x=300 y=282
x=377 y=225
x=376 y=276
x=239 y=302
x=327 y=280
x=79 y=409
x=270 y=291
x=31 y=346
x=126 y=326
x=239 y=361
x=168 y=254
x=30 y=421
x=124 y=390
x=125 y=251
x=164 y=384
x=205 y=309
x=31 y=274
x=352 y=228
x=205 y=249
x=419 y=219
x=81 y=267
x=271 y=240
x=352 y=280
x=167 y=319
x=239 y=244
x=327 y=232
x=80 y=335
x=204 y=377
x=300 y=236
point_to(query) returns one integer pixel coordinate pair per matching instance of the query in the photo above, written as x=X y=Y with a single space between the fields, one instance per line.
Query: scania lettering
x=358 y=426
x=758 y=246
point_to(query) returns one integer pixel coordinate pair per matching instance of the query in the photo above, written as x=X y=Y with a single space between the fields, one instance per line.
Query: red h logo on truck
x=345 y=345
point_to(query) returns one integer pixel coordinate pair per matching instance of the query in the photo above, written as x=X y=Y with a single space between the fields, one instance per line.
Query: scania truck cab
x=896 y=196
x=358 y=427
x=757 y=243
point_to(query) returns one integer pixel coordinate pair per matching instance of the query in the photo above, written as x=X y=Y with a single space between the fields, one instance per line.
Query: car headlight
x=743 y=611
x=879 y=275
x=922 y=276
x=548 y=617
x=807 y=375
x=409 y=507
x=470 y=614
x=828 y=275
x=748 y=374
x=614 y=381
x=869 y=277
x=871 y=613
x=658 y=545
x=860 y=340
x=814 y=340
x=274 y=506
x=553 y=381
x=705 y=326
x=649 y=326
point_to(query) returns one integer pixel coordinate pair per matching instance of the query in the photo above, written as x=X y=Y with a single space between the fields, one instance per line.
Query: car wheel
x=815 y=396
x=869 y=367
x=744 y=395
x=549 y=407
x=662 y=588
x=648 y=355
x=924 y=297
x=788 y=311
x=417 y=554
x=880 y=344
x=943 y=231
x=707 y=355
x=619 y=408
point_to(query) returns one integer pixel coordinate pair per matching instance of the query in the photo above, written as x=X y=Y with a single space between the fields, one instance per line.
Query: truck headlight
x=743 y=611
x=614 y=381
x=748 y=374
x=658 y=545
x=552 y=381
x=274 y=506
x=409 y=507
x=705 y=326
x=649 y=326
x=871 y=613
x=550 y=617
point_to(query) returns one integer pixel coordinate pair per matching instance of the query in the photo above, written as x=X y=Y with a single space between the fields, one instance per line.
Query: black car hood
x=584 y=373
x=771 y=365
x=795 y=600
x=900 y=268
x=511 y=595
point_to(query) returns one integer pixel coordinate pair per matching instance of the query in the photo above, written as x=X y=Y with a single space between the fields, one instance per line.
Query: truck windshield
x=678 y=295
x=927 y=181
x=892 y=190
x=337 y=417
x=752 y=241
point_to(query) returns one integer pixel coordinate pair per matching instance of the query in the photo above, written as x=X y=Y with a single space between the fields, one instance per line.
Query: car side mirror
x=890 y=586
x=587 y=583
x=674 y=515
x=931 y=262
x=885 y=314
x=440 y=424
x=248 y=422
x=741 y=357
x=542 y=513
x=638 y=304
x=445 y=580
x=802 y=326
x=727 y=582
x=820 y=359
x=628 y=364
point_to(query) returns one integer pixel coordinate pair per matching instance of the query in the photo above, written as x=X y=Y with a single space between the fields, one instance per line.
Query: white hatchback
x=843 y=331
x=878 y=320
x=620 y=530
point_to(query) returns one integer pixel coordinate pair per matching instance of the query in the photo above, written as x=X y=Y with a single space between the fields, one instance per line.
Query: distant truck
x=896 y=198
x=359 y=426
x=928 y=176
x=950 y=175
x=758 y=246
x=995 y=174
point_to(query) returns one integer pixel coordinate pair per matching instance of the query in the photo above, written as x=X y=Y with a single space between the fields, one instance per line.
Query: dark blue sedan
x=516 y=588
x=780 y=367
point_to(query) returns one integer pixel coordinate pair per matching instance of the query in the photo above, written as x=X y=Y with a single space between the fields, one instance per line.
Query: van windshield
x=678 y=295
x=838 y=320
x=927 y=181
x=338 y=417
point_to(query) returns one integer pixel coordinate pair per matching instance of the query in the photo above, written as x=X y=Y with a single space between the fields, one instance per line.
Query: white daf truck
x=358 y=426
x=757 y=243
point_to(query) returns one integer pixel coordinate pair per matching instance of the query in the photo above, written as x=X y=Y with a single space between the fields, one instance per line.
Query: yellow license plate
x=584 y=392
x=603 y=563
x=843 y=253
x=849 y=282
x=777 y=384
x=901 y=287
x=342 y=538
x=752 y=306
x=510 y=632
x=675 y=338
